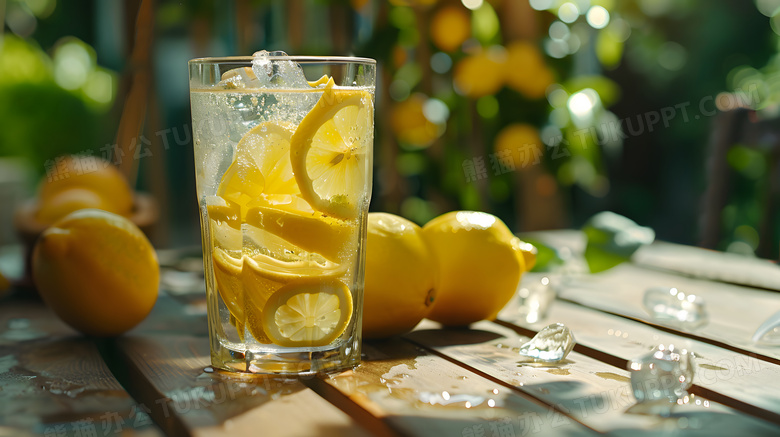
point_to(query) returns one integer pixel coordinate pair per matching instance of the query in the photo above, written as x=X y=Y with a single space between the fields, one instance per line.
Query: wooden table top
x=430 y=382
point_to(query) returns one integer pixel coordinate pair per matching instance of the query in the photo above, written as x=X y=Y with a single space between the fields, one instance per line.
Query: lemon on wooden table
x=400 y=276
x=64 y=202
x=479 y=262
x=88 y=173
x=97 y=271
x=329 y=151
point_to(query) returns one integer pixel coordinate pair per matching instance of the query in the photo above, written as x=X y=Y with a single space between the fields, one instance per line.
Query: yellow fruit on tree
x=479 y=262
x=480 y=74
x=400 y=276
x=526 y=71
x=97 y=271
x=89 y=173
x=519 y=146
x=410 y=124
x=450 y=27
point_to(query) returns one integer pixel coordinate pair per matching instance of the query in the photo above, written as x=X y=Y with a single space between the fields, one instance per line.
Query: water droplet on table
x=551 y=344
x=670 y=305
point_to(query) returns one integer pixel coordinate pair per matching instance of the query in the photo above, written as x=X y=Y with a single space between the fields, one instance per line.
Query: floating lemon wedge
x=329 y=151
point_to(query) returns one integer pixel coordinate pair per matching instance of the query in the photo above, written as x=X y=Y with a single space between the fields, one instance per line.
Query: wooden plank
x=741 y=381
x=735 y=312
x=53 y=381
x=709 y=264
x=165 y=371
x=680 y=259
x=591 y=391
x=419 y=394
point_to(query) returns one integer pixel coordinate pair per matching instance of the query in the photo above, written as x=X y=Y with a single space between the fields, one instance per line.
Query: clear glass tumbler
x=283 y=163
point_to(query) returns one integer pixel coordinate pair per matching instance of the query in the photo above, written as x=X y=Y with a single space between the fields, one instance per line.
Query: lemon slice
x=225 y=224
x=330 y=151
x=282 y=272
x=288 y=202
x=312 y=232
x=321 y=81
x=308 y=314
x=261 y=164
x=263 y=275
x=227 y=274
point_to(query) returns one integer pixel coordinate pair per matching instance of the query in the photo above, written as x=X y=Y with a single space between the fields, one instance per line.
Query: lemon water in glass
x=283 y=160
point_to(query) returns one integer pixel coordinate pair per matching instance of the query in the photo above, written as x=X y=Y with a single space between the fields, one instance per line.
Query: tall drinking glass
x=283 y=158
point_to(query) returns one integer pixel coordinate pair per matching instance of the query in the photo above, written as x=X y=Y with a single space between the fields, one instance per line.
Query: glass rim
x=298 y=59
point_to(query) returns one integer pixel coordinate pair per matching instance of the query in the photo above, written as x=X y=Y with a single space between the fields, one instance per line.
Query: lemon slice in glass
x=227 y=274
x=308 y=314
x=224 y=223
x=330 y=149
x=311 y=231
x=261 y=164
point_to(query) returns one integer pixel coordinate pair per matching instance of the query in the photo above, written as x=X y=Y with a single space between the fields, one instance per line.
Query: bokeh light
x=568 y=12
x=597 y=17
x=72 y=65
x=472 y=4
x=441 y=62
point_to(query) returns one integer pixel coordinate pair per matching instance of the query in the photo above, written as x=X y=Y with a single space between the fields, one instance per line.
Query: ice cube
x=671 y=305
x=665 y=374
x=534 y=296
x=551 y=344
x=277 y=73
x=768 y=334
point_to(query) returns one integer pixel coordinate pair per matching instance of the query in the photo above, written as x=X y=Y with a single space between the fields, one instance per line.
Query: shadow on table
x=451 y=337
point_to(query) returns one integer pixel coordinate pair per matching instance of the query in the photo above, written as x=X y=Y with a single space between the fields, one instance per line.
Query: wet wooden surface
x=54 y=382
x=430 y=382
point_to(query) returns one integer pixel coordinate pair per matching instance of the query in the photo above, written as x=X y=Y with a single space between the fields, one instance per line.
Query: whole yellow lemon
x=400 y=276
x=97 y=271
x=479 y=262
x=89 y=173
x=68 y=200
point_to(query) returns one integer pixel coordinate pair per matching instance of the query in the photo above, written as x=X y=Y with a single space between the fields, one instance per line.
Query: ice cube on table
x=534 y=297
x=768 y=334
x=665 y=374
x=277 y=73
x=671 y=305
x=551 y=344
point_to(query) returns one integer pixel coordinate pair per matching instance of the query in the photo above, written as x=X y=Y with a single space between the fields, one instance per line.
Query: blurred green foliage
x=55 y=105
